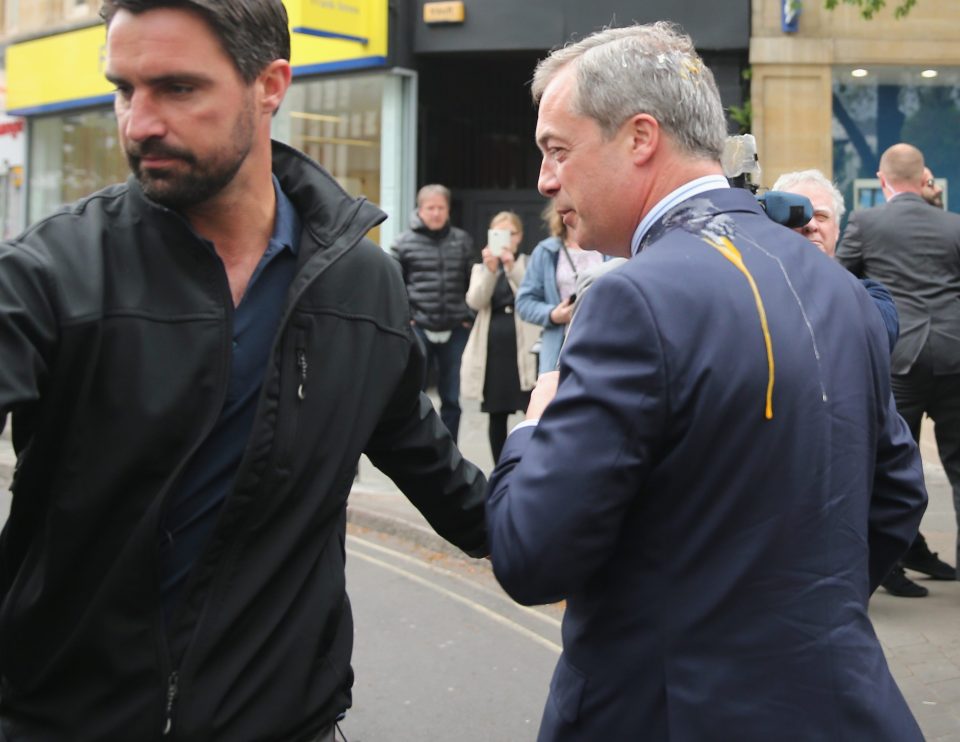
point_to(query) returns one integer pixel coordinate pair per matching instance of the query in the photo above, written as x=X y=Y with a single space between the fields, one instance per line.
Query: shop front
x=347 y=108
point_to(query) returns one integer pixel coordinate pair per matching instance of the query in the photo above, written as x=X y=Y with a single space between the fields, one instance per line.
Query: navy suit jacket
x=716 y=563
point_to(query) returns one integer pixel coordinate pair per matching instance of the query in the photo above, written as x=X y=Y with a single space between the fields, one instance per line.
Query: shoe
x=926 y=561
x=897 y=583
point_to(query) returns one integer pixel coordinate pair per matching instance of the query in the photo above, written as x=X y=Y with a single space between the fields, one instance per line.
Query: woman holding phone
x=497 y=365
x=548 y=290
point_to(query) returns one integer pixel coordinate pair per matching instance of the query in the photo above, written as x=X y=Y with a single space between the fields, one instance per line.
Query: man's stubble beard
x=202 y=180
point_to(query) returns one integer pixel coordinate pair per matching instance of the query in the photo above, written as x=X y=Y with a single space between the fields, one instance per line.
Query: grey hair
x=253 y=33
x=652 y=69
x=788 y=181
x=433 y=189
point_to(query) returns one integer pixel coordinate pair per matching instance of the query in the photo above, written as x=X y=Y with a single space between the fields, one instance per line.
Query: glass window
x=876 y=107
x=72 y=156
x=336 y=121
x=11 y=19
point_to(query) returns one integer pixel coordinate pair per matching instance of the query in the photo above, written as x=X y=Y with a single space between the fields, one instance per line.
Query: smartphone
x=498 y=240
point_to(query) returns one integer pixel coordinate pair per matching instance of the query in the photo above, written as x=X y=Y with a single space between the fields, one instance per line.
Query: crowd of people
x=491 y=339
x=718 y=465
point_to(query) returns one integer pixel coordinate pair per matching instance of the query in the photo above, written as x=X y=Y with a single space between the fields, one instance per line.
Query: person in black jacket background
x=436 y=259
x=194 y=362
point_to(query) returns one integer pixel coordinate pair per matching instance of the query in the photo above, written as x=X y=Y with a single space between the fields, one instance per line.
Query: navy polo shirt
x=193 y=505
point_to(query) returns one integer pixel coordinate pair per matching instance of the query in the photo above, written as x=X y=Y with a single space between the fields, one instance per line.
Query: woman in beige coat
x=497 y=365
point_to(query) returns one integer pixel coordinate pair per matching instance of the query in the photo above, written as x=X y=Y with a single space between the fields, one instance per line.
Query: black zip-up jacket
x=436 y=270
x=115 y=341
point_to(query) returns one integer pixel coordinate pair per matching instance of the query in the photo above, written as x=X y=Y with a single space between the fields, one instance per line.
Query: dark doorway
x=476 y=136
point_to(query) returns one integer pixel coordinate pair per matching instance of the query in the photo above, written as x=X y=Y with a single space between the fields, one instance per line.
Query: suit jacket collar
x=906 y=197
x=704 y=211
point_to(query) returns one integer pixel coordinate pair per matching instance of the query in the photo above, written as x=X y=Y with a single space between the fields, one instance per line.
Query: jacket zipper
x=173 y=686
x=173 y=680
x=443 y=288
x=302 y=373
x=296 y=387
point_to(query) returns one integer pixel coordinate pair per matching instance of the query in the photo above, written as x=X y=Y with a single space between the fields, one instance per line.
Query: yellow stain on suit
x=726 y=248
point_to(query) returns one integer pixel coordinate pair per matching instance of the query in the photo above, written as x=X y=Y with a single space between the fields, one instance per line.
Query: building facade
x=476 y=118
x=839 y=89
x=349 y=107
x=384 y=97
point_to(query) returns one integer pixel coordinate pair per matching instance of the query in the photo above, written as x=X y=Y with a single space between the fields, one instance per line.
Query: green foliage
x=742 y=116
x=869 y=7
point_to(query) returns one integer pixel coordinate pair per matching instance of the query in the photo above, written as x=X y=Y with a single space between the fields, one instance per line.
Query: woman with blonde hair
x=548 y=291
x=497 y=366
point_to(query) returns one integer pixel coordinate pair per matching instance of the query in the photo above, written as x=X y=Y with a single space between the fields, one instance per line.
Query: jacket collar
x=328 y=212
x=705 y=211
x=906 y=197
x=325 y=210
x=551 y=244
x=417 y=225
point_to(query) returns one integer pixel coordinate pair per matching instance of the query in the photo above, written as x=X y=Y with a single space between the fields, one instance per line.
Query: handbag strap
x=566 y=252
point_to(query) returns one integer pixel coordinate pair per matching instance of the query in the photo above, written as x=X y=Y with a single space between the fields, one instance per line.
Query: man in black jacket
x=436 y=259
x=194 y=362
x=914 y=250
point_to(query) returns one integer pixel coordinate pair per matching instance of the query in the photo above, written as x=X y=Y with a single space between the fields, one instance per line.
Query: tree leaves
x=869 y=7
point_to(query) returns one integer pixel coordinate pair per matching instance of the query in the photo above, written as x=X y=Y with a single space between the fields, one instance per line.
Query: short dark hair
x=253 y=33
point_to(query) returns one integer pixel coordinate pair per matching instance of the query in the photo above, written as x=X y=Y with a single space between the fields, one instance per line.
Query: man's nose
x=547 y=183
x=142 y=119
x=810 y=227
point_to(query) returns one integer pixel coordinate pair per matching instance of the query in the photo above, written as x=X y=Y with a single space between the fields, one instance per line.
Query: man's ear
x=272 y=85
x=882 y=179
x=644 y=135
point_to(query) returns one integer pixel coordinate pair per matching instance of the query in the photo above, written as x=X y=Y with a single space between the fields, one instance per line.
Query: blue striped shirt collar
x=687 y=190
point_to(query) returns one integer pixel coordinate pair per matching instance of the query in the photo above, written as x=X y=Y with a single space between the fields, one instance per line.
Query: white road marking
x=499 y=595
x=482 y=609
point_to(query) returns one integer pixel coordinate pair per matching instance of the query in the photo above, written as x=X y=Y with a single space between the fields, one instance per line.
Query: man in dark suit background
x=721 y=478
x=914 y=250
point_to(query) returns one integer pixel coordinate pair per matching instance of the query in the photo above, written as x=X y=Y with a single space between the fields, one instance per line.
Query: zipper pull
x=172 y=688
x=302 y=369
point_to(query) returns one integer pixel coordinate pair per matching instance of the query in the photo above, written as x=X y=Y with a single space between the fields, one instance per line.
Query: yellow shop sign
x=57 y=72
x=335 y=19
x=65 y=71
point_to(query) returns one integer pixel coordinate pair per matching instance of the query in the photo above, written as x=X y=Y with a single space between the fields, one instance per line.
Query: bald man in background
x=914 y=251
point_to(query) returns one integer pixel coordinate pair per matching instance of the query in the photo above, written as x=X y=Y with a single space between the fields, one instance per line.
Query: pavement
x=921 y=637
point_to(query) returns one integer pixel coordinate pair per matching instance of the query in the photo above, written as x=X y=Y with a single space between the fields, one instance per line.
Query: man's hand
x=542 y=394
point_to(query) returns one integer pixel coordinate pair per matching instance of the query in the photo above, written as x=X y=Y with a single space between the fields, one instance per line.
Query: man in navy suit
x=720 y=481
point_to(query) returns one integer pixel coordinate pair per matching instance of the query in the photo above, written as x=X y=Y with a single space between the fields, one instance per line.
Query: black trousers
x=919 y=392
